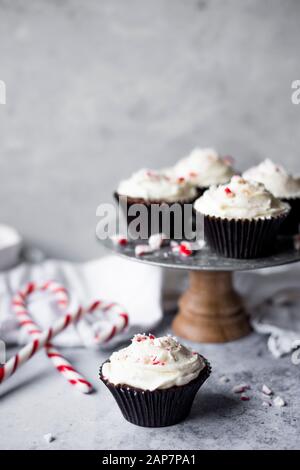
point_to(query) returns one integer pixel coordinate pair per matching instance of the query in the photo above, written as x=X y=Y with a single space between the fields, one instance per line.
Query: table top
x=207 y=260
x=37 y=401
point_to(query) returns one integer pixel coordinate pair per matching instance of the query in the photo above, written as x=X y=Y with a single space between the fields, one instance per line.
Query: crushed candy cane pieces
x=157 y=240
x=141 y=250
x=198 y=245
x=279 y=402
x=185 y=251
x=138 y=338
x=119 y=240
x=181 y=179
x=157 y=362
x=229 y=192
x=49 y=438
x=223 y=379
x=244 y=397
x=266 y=390
x=183 y=248
x=241 y=388
x=266 y=403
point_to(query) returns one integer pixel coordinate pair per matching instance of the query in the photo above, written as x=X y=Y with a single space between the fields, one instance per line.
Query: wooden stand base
x=211 y=311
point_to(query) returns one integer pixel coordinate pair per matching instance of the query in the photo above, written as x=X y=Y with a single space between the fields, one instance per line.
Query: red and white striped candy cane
x=28 y=351
x=20 y=305
x=25 y=320
x=121 y=320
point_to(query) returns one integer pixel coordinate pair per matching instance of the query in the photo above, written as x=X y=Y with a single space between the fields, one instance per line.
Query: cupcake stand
x=210 y=310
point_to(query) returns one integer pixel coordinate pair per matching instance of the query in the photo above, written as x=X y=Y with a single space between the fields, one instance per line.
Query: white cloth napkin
x=272 y=296
x=135 y=286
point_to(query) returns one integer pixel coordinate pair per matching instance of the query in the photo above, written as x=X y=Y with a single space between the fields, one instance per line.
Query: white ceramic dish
x=10 y=247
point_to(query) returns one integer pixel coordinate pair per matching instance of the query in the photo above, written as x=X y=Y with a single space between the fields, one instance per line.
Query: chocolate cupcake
x=283 y=186
x=204 y=168
x=154 y=202
x=154 y=380
x=241 y=219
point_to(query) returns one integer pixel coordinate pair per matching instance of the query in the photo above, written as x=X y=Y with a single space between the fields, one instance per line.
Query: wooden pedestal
x=211 y=311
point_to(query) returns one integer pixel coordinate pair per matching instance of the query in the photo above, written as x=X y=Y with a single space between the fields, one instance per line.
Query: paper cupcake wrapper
x=201 y=190
x=177 y=225
x=157 y=408
x=292 y=223
x=242 y=238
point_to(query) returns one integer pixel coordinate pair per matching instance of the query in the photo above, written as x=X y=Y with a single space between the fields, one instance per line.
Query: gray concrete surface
x=95 y=90
x=98 y=89
x=37 y=401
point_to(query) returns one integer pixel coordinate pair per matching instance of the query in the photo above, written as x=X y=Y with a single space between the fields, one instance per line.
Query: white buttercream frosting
x=156 y=186
x=275 y=178
x=240 y=199
x=204 y=167
x=151 y=363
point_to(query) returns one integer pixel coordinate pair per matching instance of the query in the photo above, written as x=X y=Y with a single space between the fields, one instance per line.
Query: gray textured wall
x=96 y=89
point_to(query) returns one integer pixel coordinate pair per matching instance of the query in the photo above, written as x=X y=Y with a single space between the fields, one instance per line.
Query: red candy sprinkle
x=151 y=336
x=140 y=338
x=119 y=240
x=157 y=362
x=244 y=397
x=228 y=191
x=183 y=250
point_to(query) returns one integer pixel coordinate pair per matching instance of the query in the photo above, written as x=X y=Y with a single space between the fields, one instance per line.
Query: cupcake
x=154 y=380
x=283 y=186
x=241 y=219
x=203 y=168
x=153 y=193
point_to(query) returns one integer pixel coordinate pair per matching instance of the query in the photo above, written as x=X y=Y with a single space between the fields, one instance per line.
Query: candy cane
x=25 y=320
x=44 y=337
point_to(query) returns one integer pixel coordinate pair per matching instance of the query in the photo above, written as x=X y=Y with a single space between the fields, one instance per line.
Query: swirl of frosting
x=156 y=186
x=240 y=199
x=151 y=363
x=275 y=178
x=204 y=167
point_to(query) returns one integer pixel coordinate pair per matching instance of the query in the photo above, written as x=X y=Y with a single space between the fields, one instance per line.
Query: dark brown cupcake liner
x=291 y=224
x=157 y=408
x=201 y=190
x=242 y=238
x=177 y=224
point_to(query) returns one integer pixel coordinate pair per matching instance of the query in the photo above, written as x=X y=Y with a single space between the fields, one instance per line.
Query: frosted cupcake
x=241 y=219
x=148 y=188
x=284 y=186
x=154 y=380
x=203 y=168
